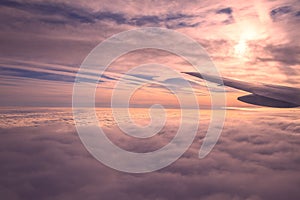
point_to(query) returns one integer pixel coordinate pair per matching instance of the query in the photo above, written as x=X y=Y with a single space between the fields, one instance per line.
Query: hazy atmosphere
x=44 y=43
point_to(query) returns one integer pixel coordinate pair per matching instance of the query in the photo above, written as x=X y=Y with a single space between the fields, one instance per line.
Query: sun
x=240 y=49
x=248 y=32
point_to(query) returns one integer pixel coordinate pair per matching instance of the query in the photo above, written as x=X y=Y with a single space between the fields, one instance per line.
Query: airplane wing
x=261 y=94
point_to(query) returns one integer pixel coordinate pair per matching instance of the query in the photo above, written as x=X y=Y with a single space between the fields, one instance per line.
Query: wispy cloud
x=70 y=14
x=49 y=40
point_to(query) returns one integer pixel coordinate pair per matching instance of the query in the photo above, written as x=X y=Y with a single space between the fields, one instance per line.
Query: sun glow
x=248 y=31
x=240 y=49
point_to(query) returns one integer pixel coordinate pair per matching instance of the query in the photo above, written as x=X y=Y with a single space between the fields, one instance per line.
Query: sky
x=44 y=43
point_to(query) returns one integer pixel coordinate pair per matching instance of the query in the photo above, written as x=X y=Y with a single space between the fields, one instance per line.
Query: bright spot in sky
x=248 y=31
x=240 y=48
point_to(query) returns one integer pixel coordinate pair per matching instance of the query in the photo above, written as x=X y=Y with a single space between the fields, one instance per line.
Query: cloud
x=287 y=54
x=71 y=14
x=277 y=12
x=42 y=157
x=225 y=11
x=67 y=11
x=36 y=75
x=61 y=33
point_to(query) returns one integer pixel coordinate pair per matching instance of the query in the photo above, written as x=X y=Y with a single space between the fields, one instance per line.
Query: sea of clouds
x=256 y=157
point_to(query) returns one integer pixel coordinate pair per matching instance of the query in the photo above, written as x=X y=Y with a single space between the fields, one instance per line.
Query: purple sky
x=44 y=43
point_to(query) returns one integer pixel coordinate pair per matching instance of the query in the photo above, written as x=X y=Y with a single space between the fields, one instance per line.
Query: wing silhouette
x=261 y=94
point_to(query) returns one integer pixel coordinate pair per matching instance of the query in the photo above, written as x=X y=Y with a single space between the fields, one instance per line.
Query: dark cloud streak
x=225 y=11
x=73 y=14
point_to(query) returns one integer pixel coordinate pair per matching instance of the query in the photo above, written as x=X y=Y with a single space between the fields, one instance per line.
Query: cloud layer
x=45 y=159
